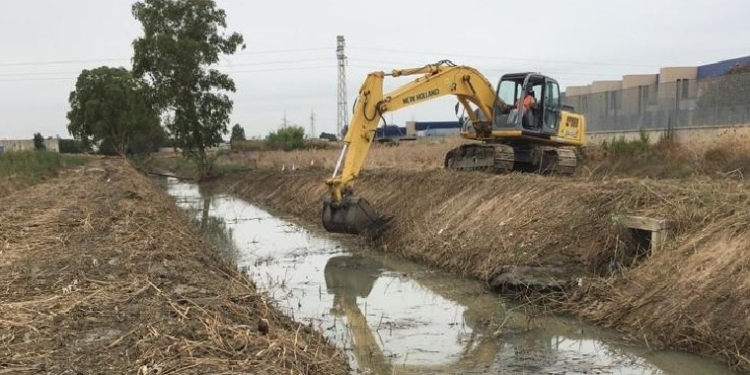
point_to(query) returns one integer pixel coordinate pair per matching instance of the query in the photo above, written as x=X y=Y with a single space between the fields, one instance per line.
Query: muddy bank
x=102 y=273
x=687 y=296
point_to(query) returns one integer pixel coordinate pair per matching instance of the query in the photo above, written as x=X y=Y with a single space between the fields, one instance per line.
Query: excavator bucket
x=353 y=215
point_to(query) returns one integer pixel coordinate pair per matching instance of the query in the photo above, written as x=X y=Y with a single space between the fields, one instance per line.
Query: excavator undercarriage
x=507 y=158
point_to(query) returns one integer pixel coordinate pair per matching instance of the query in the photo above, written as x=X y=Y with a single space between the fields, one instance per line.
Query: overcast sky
x=289 y=65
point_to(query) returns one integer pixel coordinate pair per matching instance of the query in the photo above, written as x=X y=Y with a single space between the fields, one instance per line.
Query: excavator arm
x=342 y=211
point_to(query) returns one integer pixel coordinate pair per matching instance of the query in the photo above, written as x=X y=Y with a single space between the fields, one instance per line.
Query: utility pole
x=342 y=106
x=312 y=123
x=284 y=123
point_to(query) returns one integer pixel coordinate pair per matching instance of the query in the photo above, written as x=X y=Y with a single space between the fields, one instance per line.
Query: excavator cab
x=543 y=92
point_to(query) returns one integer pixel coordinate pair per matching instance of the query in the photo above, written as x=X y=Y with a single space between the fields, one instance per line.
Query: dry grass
x=412 y=155
x=692 y=296
x=727 y=157
x=666 y=159
x=100 y=272
x=474 y=224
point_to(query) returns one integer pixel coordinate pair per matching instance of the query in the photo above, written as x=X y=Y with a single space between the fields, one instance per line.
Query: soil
x=101 y=272
x=690 y=295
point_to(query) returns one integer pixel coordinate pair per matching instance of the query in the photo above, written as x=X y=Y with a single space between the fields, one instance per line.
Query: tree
x=72 y=146
x=110 y=107
x=328 y=136
x=288 y=138
x=39 y=142
x=238 y=133
x=180 y=41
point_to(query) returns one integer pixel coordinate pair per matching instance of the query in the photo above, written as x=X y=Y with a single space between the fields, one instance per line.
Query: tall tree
x=238 y=133
x=39 y=142
x=110 y=107
x=181 y=40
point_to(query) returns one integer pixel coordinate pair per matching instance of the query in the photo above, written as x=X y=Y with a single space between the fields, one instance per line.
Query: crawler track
x=504 y=158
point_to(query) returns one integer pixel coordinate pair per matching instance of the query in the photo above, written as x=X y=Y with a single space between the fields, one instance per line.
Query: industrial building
x=52 y=144
x=432 y=128
x=418 y=129
x=675 y=97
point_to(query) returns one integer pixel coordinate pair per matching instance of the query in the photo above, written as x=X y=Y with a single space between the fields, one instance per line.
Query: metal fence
x=715 y=101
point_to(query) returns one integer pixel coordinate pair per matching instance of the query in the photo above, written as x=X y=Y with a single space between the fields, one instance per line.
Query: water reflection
x=397 y=317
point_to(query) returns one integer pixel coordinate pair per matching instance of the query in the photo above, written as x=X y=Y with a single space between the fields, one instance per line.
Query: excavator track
x=503 y=158
x=565 y=158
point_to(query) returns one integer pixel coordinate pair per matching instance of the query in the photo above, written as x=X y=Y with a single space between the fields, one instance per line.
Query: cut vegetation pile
x=691 y=295
x=100 y=272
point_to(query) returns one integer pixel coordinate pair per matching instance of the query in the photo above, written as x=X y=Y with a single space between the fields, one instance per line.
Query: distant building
x=669 y=98
x=432 y=128
x=390 y=131
x=719 y=68
x=8 y=145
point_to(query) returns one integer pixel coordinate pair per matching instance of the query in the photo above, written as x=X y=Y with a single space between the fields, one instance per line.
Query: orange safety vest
x=527 y=101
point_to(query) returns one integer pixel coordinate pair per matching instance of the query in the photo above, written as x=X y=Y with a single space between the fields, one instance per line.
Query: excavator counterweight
x=511 y=130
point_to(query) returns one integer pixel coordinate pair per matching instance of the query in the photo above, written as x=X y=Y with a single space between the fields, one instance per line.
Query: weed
x=36 y=163
x=622 y=147
x=19 y=169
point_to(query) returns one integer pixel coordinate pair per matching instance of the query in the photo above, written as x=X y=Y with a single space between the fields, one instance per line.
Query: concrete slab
x=659 y=229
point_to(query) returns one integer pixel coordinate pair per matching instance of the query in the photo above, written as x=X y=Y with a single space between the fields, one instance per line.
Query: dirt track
x=100 y=272
x=692 y=295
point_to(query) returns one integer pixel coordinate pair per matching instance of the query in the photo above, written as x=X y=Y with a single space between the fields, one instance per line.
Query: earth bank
x=690 y=295
x=101 y=272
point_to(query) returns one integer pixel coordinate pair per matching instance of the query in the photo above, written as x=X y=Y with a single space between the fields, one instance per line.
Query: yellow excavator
x=511 y=130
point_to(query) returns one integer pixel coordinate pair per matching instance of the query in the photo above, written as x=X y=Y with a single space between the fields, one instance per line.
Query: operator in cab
x=529 y=99
x=529 y=104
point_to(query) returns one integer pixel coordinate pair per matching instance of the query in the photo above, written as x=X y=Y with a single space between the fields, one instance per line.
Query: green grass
x=23 y=168
x=36 y=163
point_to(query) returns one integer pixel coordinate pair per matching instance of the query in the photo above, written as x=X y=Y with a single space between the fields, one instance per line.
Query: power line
x=39 y=76
x=231 y=72
x=280 y=51
x=374 y=49
x=571 y=62
x=98 y=60
x=493 y=70
x=225 y=71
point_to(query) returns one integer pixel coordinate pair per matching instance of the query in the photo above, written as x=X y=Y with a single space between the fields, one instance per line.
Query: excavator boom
x=540 y=137
x=345 y=213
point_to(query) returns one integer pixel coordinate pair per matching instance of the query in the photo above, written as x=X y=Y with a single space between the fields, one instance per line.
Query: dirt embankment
x=100 y=272
x=691 y=295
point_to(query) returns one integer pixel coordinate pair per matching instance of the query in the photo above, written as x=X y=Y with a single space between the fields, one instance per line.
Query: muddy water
x=396 y=317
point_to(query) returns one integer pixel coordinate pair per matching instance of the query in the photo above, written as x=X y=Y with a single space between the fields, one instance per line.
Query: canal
x=391 y=316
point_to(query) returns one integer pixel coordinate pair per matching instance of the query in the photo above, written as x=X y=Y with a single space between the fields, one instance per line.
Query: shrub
x=287 y=139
